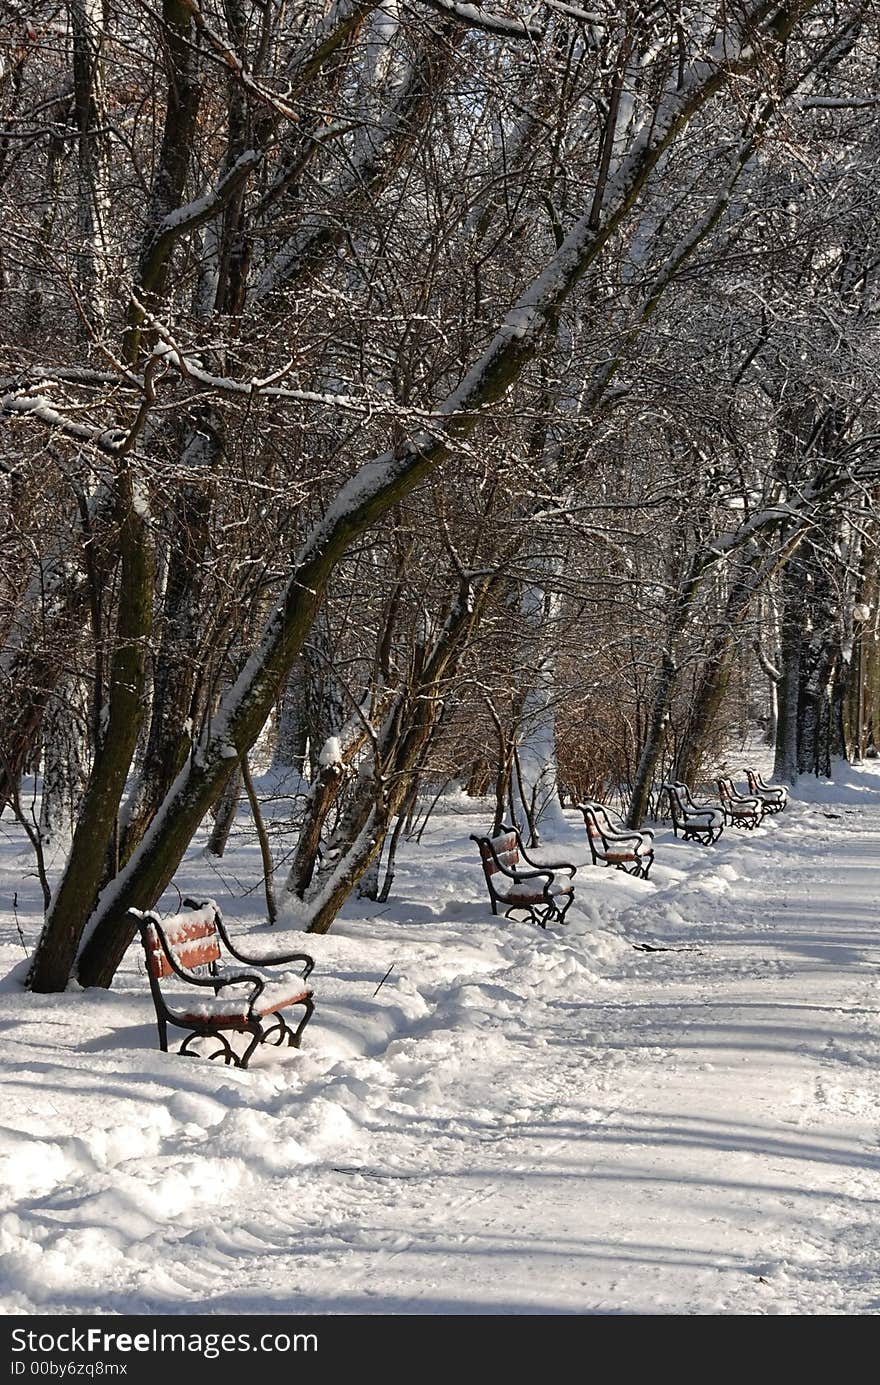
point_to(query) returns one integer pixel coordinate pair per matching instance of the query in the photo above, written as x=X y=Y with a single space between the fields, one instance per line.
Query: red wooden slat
x=197 y=953
x=194 y=945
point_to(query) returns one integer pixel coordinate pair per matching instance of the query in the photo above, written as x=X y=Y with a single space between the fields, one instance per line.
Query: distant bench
x=532 y=889
x=186 y=948
x=773 y=796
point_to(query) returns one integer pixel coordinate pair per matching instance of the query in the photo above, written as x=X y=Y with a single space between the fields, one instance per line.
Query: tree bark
x=77 y=891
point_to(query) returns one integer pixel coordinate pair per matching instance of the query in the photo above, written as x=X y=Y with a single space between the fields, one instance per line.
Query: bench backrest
x=499 y=851
x=192 y=938
x=595 y=819
x=756 y=784
x=677 y=803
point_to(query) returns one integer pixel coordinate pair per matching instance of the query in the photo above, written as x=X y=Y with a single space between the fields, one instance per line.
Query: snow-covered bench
x=739 y=811
x=184 y=960
x=614 y=845
x=773 y=796
x=698 y=822
x=532 y=889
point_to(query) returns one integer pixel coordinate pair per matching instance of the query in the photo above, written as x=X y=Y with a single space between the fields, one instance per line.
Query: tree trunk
x=181 y=655
x=227 y=811
x=64 y=764
x=263 y=838
x=292 y=738
x=791 y=652
x=77 y=891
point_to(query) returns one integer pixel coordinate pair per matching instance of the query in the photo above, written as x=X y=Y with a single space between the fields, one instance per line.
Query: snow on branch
x=382 y=148
x=256 y=388
x=328 y=34
x=195 y=214
x=478 y=18
x=112 y=441
x=838 y=103
x=251 y=389
x=227 y=55
x=63 y=374
x=595 y=20
x=527 y=319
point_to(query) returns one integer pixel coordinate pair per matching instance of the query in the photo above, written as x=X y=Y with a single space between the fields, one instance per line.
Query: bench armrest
x=275 y=960
x=522 y=874
x=548 y=865
x=635 y=836
x=556 y=866
x=237 y=978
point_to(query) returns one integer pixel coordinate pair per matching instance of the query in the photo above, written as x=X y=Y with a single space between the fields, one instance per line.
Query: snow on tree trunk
x=536 y=785
x=64 y=764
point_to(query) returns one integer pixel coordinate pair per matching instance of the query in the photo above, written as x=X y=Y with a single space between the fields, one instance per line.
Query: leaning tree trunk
x=225 y=815
x=386 y=783
x=181 y=656
x=77 y=891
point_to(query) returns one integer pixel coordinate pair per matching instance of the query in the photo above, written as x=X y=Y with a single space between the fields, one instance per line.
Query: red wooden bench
x=698 y=822
x=773 y=796
x=739 y=810
x=614 y=845
x=531 y=889
x=186 y=948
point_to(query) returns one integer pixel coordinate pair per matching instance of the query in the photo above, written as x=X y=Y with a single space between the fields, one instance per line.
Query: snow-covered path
x=518 y=1123
x=706 y=1144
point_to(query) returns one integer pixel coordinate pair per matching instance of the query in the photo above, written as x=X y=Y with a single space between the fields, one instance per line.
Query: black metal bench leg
x=296 y=1035
x=256 y=1040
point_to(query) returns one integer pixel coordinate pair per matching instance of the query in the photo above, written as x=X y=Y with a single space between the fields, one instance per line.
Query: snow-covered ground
x=517 y=1122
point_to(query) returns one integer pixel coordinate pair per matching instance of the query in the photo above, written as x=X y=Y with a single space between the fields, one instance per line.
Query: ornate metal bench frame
x=204 y=931
x=500 y=856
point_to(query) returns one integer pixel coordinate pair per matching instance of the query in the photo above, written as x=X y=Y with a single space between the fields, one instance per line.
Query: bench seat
x=230 y=1011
